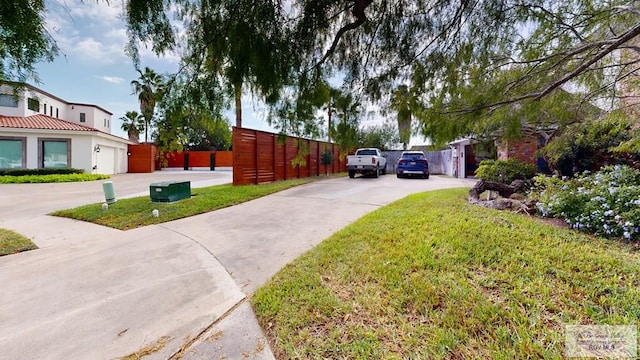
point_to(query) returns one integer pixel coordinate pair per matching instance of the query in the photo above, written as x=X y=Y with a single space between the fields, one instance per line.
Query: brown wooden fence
x=175 y=159
x=259 y=157
x=142 y=158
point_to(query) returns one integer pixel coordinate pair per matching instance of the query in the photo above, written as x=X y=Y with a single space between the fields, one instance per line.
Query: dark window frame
x=33 y=104
x=24 y=147
x=41 y=142
x=83 y=117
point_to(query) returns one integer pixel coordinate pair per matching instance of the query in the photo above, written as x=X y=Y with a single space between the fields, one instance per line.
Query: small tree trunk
x=134 y=136
x=146 y=130
x=238 y=99
x=329 y=125
x=503 y=190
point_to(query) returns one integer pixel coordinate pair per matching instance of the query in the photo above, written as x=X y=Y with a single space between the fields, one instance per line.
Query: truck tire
x=352 y=174
x=384 y=170
x=376 y=172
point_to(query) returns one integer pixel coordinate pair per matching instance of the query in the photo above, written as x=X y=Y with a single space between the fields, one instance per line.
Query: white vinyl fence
x=439 y=161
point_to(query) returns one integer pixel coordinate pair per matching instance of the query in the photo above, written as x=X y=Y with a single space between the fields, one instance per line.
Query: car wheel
x=352 y=174
x=384 y=170
x=426 y=176
x=398 y=176
x=376 y=172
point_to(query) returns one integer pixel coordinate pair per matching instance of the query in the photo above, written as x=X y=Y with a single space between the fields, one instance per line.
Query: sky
x=93 y=68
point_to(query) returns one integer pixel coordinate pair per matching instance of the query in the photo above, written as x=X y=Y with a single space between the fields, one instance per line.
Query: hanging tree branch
x=613 y=44
x=357 y=11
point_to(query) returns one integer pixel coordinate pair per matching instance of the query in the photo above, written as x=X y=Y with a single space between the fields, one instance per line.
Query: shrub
x=590 y=145
x=46 y=171
x=326 y=158
x=55 y=178
x=505 y=171
x=604 y=203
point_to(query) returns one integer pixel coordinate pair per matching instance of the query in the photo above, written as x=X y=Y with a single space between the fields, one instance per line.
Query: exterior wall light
x=96 y=148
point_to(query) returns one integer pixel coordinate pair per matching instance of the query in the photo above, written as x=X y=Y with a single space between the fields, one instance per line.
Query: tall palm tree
x=332 y=94
x=147 y=88
x=404 y=103
x=347 y=115
x=132 y=123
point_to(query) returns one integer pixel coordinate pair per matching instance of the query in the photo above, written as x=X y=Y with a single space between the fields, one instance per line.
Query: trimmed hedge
x=46 y=171
x=55 y=178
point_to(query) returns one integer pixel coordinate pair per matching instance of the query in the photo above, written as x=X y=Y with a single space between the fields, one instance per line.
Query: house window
x=54 y=153
x=83 y=117
x=44 y=109
x=8 y=100
x=50 y=110
x=12 y=152
x=57 y=113
x=104 y=122
x=33 y=104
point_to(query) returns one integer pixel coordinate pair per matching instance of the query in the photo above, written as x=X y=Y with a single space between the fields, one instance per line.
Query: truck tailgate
x=359 y=160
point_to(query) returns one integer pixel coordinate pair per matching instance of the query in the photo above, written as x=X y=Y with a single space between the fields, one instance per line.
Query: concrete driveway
x=92 y=292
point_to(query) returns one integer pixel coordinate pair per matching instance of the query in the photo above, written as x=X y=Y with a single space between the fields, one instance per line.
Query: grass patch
x=135 y=212
x=11 y=243
x=54 y=178
x=431 y=276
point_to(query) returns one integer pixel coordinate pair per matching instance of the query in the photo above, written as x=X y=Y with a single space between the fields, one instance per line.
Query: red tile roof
x=41 y=122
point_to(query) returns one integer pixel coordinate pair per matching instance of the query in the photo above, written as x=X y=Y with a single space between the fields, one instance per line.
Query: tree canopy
x=466 y=59
x=186 y=120
x=24 y=40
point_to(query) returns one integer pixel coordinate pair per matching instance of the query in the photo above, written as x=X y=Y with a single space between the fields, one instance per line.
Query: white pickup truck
x=367 y=161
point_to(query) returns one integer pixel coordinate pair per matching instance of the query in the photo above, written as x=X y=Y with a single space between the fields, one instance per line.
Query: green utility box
x=169 y=191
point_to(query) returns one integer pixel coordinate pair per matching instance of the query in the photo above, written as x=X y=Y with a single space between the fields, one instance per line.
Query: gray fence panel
x=392 y=159
x=439 y=161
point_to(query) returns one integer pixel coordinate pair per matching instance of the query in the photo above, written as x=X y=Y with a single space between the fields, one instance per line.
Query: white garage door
x=106 y=160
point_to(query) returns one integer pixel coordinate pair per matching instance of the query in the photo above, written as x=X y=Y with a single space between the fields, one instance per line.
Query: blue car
x=412 y=163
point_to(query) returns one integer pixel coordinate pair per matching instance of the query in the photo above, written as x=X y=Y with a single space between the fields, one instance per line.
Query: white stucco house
x=40 y=130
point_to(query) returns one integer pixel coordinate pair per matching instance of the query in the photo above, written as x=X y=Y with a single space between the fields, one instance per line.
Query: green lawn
x=11 y=243
x=135 y=212
x=431 y=276
x=57 y=178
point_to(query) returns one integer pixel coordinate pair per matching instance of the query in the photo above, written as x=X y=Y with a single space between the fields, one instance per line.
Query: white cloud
x=147 y=55
x=88 y=31
x=93 y=32
x=112 y=79
x=72 y=14
x=117 y=34
x=102 y=11
x=98 y=52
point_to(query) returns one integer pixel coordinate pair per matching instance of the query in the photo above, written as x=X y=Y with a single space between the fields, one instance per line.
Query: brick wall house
x=523 y=150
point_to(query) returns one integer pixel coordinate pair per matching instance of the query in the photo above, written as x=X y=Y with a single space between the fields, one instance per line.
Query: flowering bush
x=606 y=203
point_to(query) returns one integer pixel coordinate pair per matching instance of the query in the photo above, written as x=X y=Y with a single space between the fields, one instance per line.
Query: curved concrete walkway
x=177 y=289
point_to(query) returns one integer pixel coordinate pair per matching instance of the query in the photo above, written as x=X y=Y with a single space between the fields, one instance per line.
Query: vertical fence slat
x=274 y=163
